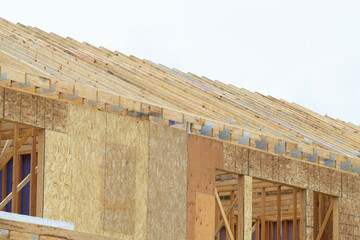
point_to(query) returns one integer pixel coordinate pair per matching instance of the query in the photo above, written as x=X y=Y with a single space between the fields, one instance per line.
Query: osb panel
x=204 y=216
x=58 y=182
x=290 y=172
x=33 y=110
x=167 y=183
x=325 y=180
x=28 y=109
x=119 y=198
x=40 y=118
x=49 y=113
x=203 y=156
x=133 y=133
x=276 y=168
x=344 y=184
x=242 y=162
x=254 y=163
x=314 y=177
x=60 y=116
x=266 y=166
x=84 y=149
x=282 y=169
x=230 y=156
x=12 y=105
x=303 y=174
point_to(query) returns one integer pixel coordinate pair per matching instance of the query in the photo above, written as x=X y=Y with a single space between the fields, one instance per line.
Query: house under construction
x=99 y=145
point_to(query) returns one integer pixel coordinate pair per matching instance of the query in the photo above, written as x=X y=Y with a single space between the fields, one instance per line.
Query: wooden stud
x=271 y=230
x=263 y=213
x=302 y=226
x=294 y=214
x=335 y=218
x=278 y=208
x=32 y=175
x=257 y=231
x=15 y=179
x=40 y=174
x=285 y=230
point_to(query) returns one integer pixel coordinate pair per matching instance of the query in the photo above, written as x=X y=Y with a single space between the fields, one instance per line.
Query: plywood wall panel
x=254 y=163
x=40 y=118
x=325 y=180
x=303 y=174
x=266 y=166
x=167 y=183
x=230 y=155
x=291 y=172
x=204 y=216
x=276 y=168
x=131 y=133
x=49 y=113
x=60 y=116
x=119 y=199
x=74 y=164
x=12 y=105
x=28 y=109
x=58 y=181
x=314 y=177
x=242 y=162
x=203 y=155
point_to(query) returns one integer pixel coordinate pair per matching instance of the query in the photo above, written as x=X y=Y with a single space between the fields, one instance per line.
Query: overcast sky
x=306 y=52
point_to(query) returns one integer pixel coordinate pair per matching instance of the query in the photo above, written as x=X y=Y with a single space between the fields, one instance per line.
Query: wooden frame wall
x=17 y=139
x=270 y=204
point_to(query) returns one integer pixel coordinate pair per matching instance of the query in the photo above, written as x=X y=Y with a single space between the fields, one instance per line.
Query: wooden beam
x=263 y=219
x=326 y=219
x=227 y=226
x=32 y=175
x=40 y=174
x=278 y=208
x=294 y=213
x=335 y=218
x=15 y=179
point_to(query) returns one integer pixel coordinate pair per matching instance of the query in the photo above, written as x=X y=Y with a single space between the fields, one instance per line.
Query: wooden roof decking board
x=111 y=77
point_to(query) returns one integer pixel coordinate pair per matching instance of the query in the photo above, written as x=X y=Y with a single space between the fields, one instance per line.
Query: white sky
x=306 y=52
